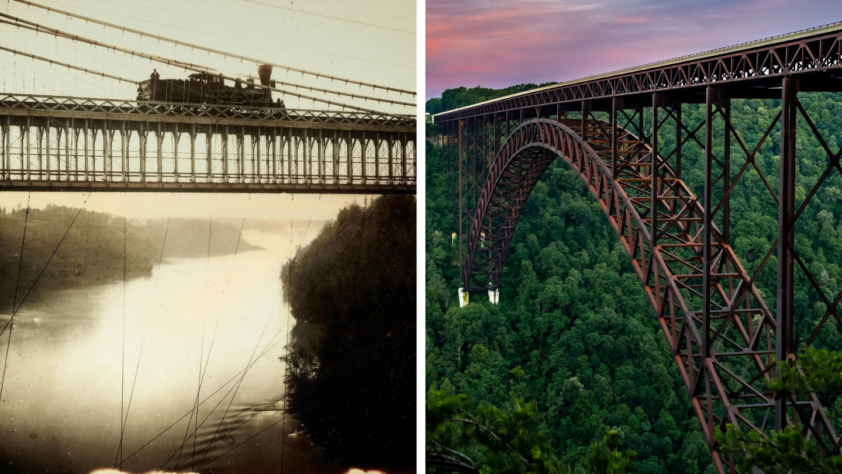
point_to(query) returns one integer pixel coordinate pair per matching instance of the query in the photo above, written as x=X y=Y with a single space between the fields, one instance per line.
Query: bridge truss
x=724 y=337
x=63 y=143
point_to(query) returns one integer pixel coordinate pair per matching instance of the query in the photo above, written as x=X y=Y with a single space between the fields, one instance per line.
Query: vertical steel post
x=454 y=162
x=107 y=150
x=726 y=168
x=405 y=141
x=41 y=157
x=321 y=156
x=711 y=97
x=786 y=237
x=193 y=152
x=176 y=137
x=336 y=147
x=640 y=130
x=391 y=161
x=461 y=206
x=7 y=152
x=484 y=137
x=654 y=171
x=93 y=152
x=142 y=137
x=678 y=125
x=28 y=149
x=254 y=155
x=586 y=110
x=349 y=159
x=473 y=170
x=496 y=137
x=225 y=154
x=124 y=150
x=711 y=100
x=275 y=154
x=616 y=106
x=85 y=144
x=159 y=136
x=241 y=155
x=209 y=146
x=377 y=157
x=75 y=149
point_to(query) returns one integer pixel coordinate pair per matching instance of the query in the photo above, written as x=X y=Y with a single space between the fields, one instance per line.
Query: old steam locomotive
x=204 y=88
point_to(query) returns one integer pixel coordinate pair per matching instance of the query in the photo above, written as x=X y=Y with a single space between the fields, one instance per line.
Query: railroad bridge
x=609 y=128
x=69 y=143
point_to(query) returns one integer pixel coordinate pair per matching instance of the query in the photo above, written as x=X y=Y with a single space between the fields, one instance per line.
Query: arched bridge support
x=724 y=337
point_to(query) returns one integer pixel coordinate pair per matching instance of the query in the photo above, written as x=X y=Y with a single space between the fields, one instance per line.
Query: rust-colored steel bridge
x=724 y=337
x=66 y=143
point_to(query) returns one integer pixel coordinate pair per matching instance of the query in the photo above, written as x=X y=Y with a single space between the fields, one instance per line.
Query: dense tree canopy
x=462 y=96
x=353 y=389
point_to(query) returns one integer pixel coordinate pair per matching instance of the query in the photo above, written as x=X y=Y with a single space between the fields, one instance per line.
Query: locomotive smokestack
x=265 y=73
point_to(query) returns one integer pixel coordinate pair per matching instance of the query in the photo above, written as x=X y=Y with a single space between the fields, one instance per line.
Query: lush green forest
x=455 y=98
x=574 y=331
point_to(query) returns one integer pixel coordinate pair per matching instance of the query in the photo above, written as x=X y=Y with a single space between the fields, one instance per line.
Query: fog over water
x=191 y=321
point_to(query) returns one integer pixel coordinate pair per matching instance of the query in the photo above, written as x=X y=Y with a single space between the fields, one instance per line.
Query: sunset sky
x=498 y=43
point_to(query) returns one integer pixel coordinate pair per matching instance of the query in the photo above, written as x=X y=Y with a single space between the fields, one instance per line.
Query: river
x=82 y=358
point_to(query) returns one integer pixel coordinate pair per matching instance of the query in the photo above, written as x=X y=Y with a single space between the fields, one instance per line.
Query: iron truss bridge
x=70 y=143
x=610 y=129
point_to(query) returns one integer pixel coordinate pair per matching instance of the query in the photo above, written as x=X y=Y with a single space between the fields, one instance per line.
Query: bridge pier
x=494 y=295
x=463 y=297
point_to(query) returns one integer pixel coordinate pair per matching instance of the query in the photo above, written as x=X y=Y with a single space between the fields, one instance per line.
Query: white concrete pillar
x=463 y=298
x=494 y=296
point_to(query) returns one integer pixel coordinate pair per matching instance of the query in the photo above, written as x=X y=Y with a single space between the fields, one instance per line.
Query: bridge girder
x=63 y=145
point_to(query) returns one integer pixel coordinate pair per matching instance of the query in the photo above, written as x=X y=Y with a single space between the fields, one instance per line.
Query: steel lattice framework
x=723 y=335
x=64 y=143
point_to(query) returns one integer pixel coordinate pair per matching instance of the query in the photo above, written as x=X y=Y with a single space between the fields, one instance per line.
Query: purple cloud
x=498 y=43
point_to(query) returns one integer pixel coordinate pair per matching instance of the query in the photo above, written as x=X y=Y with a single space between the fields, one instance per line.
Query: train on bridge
x=206 y=88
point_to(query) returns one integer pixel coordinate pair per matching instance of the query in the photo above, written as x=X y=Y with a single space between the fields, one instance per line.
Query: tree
x=605 y=457
x=789 y=451
x=487 y=439
x=353 y=388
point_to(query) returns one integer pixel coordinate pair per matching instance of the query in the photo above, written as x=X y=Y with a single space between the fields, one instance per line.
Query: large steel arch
x=721 y=333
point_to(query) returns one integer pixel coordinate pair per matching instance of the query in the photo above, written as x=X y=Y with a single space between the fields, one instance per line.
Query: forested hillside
x=455 y=98
x=574 y=330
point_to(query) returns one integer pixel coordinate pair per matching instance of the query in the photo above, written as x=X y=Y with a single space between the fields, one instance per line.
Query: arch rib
x=726 y=382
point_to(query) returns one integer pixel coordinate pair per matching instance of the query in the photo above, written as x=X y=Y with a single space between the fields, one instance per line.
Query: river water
x=79 y=362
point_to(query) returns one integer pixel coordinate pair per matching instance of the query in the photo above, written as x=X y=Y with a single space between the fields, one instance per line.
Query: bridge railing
x=84 y=105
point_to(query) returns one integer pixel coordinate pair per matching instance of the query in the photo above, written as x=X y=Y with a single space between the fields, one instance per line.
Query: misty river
x=193 y=321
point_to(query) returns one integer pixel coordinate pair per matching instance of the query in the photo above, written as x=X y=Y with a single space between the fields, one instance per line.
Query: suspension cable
x=14 y=299
x=289 y=330
x=69 y=66
x=215 y=51
x=269 y=346
x=40 y=28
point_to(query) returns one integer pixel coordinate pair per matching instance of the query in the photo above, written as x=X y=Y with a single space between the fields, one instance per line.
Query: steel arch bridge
x=724 y=337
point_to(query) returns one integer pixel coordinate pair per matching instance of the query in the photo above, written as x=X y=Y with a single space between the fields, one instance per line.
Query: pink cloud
x=497 y=43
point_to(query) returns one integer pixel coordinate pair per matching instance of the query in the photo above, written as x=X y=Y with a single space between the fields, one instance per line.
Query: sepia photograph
x=208 y=237
x=633 y=231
